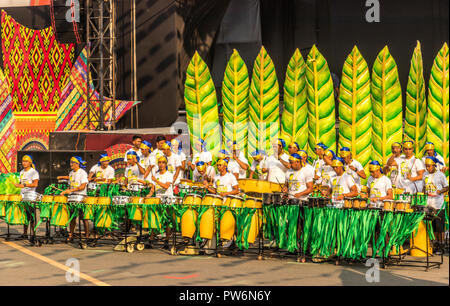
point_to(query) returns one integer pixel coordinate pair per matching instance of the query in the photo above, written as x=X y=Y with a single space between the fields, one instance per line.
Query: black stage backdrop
x=169 y=32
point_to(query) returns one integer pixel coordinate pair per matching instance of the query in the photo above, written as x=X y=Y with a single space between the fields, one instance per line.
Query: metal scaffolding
x=101 y=68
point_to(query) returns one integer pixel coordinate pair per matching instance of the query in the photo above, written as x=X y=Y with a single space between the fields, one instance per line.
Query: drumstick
x=56 y=188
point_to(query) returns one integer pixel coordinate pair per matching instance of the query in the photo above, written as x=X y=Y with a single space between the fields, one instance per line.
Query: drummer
x=292 y=148
x=435 y=187
x=277 y=169
x=160 y=140
x=102 y=171
x=380 y=187
x=411 y=170
x=177 y=149
x=352 y=166
x=203 y=173
x=173 y=162
x=431 y=151
x=237 y=163
x=29 y=180
x=309 y=170
x=393 y=163
x=224 y=183
x=163 y=179
x=202 y=154
x=259 y=165
x=78 y=180
x=342 y=185
x=162 y=183
x=147 y=160
x=137 y=140
x=325 y=172
x=134 y=172
x=299 y=184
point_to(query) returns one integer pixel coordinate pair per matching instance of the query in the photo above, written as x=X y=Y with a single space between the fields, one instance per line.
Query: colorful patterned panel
x=7 y=131
x=36 y=65
x=33 y=129
x=72 y=111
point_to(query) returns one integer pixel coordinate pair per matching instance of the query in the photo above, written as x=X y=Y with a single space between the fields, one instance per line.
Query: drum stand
x=402 y=262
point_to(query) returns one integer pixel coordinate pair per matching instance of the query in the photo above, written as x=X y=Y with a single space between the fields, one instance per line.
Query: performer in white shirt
x=102 y=171
x=78 y=180
x=431 y=151
x=160 y=140
x=325 y=171
x=137 y=140
x=173 y=162
x=393 y=163
x=203 y=173
x=134 y=172
x=309 y=170
x=352 y=166
x=411 y=170
x=177 y=148
x=202 y=154
x=277 y=170
x=342 y=185
x=146 y=160
x=380 y=187
x=29 y=180
x=224 y=183
x=299 y=184
x=259 y=165
x=239 y=162
x=435 y=186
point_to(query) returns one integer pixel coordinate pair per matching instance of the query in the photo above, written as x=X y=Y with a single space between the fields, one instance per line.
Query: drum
x=188 y=221
x=277 y=198
x=227 y=225
x=135 y=187
x=137 y=200
x=90 y=200
x=297 y=202
x=388 y=205
x=252 y=185
x=233 y=201
x=92 y=186
x=60 y=199
x=15 y=213
x=212 y=200
x=348 y=202
x=152 y=201
x=60 y=212
x=419 y=242
x=255 y=225
x=362 y=203
x=364 y=191
x=76 y=198
x=47 y=199
x=399 y=191
x=356 y=203
x=31 y=196
x=192 y=199
x=3 y=199
x=376 y=205
x=402 y=205
x=14 y=198
x=121 y=200
x=275 y=187
x=134 y=211
x=253 y=202
x=104 y=200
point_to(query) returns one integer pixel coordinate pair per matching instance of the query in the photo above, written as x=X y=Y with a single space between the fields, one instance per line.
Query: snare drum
x=192 y=199
x=233 y=201
x=253 y=202
x=388 y=205
x=31 y=196
x=121 y=200
x=76 y=198
x=212 y=200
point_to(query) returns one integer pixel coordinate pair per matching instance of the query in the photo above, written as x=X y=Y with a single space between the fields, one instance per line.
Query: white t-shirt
x=379 y=186
x=277 y=172
x=139 y=153
x=323 y=171
x=309 y=171
x=257 y=168
x=225 y=183
x=433 y=183
x=99 y=172
x=340 y=185
x=205 y=157
x=438 y=166
x=173 y=162
x=27 y=177
x=395 y=174
x=156 y=152
x=167 y=177
x=132 y=174
x=297 y=181
x=354 y=174
x=182 y=157
x=210 y=174
x=234 y=167
x=76 y=179
x=412 y=165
